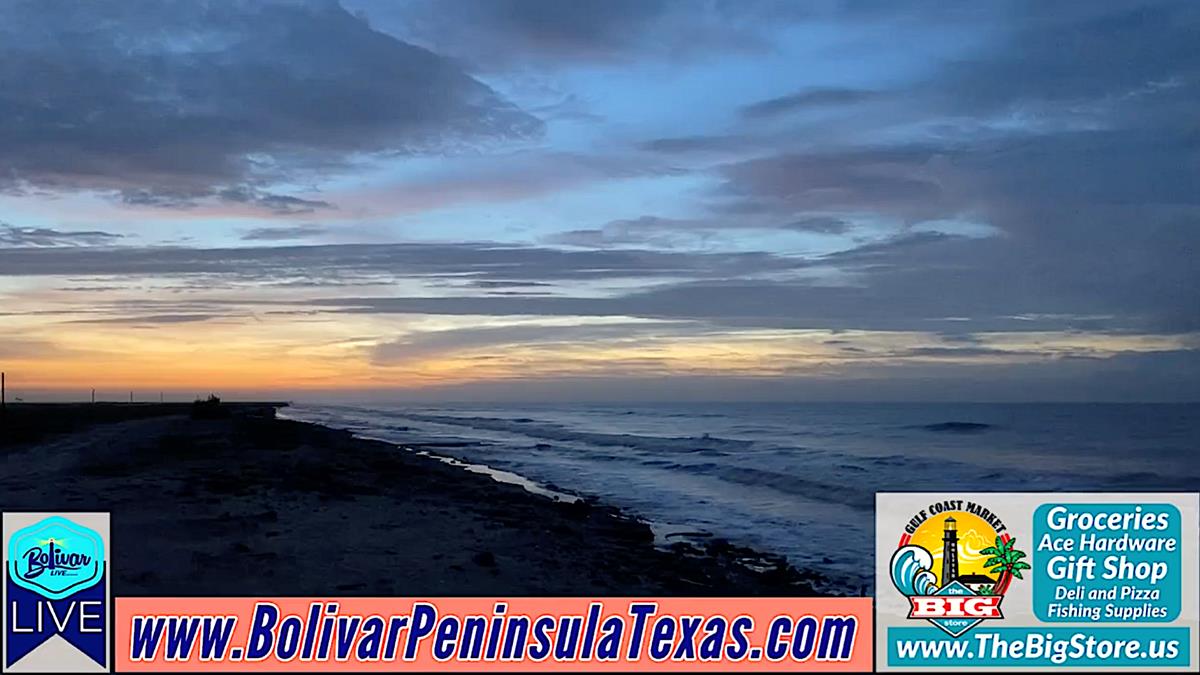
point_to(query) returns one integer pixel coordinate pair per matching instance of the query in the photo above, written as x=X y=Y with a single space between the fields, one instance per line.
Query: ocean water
x=794 y=479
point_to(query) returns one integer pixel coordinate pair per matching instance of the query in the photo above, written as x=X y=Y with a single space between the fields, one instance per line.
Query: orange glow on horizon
x=339 y=353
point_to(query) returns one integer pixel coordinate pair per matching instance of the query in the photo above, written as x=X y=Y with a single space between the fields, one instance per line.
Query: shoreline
x=665 y=536
x=250 y=504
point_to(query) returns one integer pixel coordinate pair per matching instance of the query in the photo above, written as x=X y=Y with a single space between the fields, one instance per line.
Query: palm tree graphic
x=1006 y=560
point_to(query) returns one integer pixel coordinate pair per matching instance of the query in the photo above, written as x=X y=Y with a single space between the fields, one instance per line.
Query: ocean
x=793 y=479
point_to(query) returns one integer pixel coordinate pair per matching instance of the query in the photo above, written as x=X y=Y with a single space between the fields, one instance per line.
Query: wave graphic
x=911 y=571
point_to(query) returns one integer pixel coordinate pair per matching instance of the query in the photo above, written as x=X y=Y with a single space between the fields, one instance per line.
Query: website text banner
x=1003 y=581
x=505 y=634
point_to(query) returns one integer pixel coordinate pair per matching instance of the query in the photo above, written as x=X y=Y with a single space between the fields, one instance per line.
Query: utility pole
x=93 y=397
x=3 y=393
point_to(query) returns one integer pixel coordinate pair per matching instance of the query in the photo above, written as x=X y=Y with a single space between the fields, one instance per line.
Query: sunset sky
x=617 y=200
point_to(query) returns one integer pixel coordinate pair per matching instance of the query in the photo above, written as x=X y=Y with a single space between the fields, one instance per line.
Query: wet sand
x=252 y=505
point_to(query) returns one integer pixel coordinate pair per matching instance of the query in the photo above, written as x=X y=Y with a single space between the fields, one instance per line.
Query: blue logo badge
x=56 y=558
x=56 y=584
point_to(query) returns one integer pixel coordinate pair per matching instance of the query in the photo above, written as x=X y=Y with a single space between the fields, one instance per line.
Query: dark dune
x=27 y=422
x=247 y=504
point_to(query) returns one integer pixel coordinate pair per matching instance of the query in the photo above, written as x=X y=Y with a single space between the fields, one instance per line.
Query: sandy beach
x=248 y=504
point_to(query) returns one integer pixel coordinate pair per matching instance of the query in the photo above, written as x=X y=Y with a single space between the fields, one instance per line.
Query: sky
x=628 y=200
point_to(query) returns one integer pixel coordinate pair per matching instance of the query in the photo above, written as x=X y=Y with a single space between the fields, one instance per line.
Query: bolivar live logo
x=55 y=593
x=954 y=563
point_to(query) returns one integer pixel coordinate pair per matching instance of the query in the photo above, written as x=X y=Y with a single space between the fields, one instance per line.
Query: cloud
x=967 y=352
x=1063 y=60
x=11 y=235
x=668 y=233
x=1094 y=214
x=503 y=178
x=697 y=144
x=283 y=233
x=460 y=262
x=806 y=99
x=1036 y=175
x=820 y=225
x=91 y=289
x=644 y=231
x=888 y=293
x=172 y=101
x=497 y=34
x=890 y=250
x=921 y=280
x=153 y=319
x=174 y=198
x=446 y=342
x=279 y=204
x=19 y=349
x=477 y=283
x=903 y=181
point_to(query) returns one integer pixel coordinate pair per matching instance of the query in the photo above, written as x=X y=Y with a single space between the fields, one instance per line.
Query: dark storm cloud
x=174 y=100
x=11 y=235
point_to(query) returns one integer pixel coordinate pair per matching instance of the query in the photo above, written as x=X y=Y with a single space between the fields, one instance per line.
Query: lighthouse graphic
x=949 y=551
